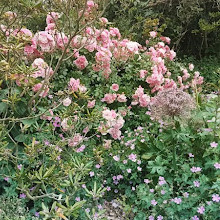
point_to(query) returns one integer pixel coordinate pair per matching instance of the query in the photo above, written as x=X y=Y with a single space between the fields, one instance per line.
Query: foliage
x=192 y=25
x=13 y=208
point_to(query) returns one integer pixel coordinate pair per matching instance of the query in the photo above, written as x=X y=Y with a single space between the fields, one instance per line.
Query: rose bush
x=79 y=124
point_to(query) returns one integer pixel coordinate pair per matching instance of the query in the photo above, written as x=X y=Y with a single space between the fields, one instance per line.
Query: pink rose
x=37 y=87
x=81 y=62
x=52 y=17
x=91 y=104
x=121 y=98
x=74 y=84
x=67 y=102
x=115 y=87
x=143 y=73
x=153 y=34
x=103 y=20
x=109 y=98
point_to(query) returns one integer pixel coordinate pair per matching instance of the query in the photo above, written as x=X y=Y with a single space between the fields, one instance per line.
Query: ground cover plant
x=91 y=121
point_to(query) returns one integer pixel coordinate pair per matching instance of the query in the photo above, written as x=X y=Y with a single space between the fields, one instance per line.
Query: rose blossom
x=67 y=102
x=81 y=62
x=115 y=87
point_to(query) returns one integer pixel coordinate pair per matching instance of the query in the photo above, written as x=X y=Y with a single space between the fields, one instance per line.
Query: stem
x=174 y=168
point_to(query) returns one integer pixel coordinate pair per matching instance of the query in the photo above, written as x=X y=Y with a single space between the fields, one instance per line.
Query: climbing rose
x=81 y=62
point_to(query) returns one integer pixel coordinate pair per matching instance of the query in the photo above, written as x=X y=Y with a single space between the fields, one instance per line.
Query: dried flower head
x=171 y=102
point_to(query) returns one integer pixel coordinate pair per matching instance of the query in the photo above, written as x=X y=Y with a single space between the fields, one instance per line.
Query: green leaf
x=147 y=156
x=3 y=107
x=21 y=138
x=28 y=122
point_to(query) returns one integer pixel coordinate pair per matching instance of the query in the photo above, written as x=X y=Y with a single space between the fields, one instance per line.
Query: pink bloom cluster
x=10 y=15
x=162 y=181
x=42 y=68
x=74 y=141
x=38 y=86
x=81 y=62
x=177 y=200
x=75 y=86
x=140 y=98
x=114 y=122
x=196 y=169
x=110 y=98
x=44 y=40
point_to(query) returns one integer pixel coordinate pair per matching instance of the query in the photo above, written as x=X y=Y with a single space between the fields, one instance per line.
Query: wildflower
x=162 y=192
x=213 y=144
x=6 y=179
x=46 y=143
x=201 y=210
x=116 y=158
x=77 y=199
x=217 y=165
x=108 y=188
x=139 y=168
x=195 y=217
x=151 y=217
x=160 y=217
x=191 y=155
x=151 y=190
x=133 y=188
x=177 y=200
x=196 y=169
x=162 y=181
x=91 y=174
x=100 y=206
x=215 y=198
x=139 y=162
x=196 y=183
x=87 y=210
x=119 y=177
x=153 y=202
x=132 y=157
x=125 y=161
x=129 y=170
x=146 y=181
x=37 y=214
x=186 y=194
x=19 y=166
x=209 y=202
x=22 y=196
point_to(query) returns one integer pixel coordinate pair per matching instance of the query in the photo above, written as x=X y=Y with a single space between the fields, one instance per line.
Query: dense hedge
x=192 y=25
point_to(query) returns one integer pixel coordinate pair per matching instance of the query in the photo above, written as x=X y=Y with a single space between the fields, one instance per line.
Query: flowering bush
x=79 y=120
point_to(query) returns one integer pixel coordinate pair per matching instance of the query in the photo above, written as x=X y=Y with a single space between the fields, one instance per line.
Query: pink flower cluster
x=81 y=62
x=140 y=98
x=110 y=98
x=42 y=68
x=44 y=40
x=76 y=140
x=114 y=122
x=75 y=86
x=196 y=169
x=177 y=200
